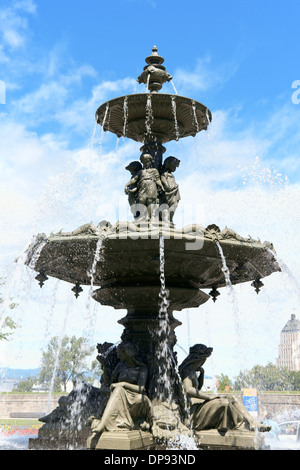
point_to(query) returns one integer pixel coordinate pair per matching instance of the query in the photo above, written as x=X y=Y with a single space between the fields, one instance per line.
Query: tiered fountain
x=150 y=268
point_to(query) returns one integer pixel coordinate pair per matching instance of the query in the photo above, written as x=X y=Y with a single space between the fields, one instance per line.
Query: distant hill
x=7 y=373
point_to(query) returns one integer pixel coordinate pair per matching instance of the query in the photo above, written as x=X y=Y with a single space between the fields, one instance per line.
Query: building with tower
x=289 y=347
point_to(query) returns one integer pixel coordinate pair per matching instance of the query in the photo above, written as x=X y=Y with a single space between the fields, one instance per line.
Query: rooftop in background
x=292 y=325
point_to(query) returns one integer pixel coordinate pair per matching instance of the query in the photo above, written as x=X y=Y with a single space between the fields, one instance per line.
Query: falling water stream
x=94 y=133
x=174 y=87
x=229 y=287
x=125 y=109
x=195 y=116
x=167 y=362
x=91 y=319
x=15 y=278
x=285 y=269
x=175 y=118
x=102 y=127
x=233 y=300
x=149 y=115
x=56 y=361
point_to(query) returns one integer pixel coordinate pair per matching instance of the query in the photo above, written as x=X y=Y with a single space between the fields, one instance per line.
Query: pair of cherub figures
x=151 y=192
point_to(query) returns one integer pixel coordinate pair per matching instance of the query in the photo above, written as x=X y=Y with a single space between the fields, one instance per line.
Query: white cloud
x=205 y=75
x=25 y=5
x=44 y=103
x=80 y=113
x=13 y=24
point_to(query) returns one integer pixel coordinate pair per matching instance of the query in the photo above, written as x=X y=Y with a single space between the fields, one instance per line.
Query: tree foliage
x=223 y=382
x=268 y=378
x=63 y=360
x=26 y=385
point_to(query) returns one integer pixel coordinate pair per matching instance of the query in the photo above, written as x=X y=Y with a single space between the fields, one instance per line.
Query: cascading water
x=18 y=273
x=164 y=388
x=174 y=87
x=149 y=114
x=97 y=257
x=103 y=124
x=39 y=244
x=229 y=286
x=57 y=353
x=285 y=269
x=167 y=382
x=125 y=108
x=175 y=118
x=232 y=298
x=148 y=81
x=195 y=115
x=94 y=133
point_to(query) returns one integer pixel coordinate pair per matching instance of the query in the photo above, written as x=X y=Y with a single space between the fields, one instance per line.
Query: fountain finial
x=154 y=74
x=154 y=58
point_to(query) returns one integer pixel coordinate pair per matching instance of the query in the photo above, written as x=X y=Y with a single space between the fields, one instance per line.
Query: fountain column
x=142 y=324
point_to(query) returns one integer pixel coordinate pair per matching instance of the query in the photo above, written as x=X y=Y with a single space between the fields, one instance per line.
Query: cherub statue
x=171 y=195
x=131 y=188
x=148 y=185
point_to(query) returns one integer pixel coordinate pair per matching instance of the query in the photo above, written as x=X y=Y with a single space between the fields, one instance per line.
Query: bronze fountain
x=150 y=268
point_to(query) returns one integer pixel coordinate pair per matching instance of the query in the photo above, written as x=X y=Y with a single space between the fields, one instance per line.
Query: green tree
x=223 y=381
x=25 y=385
x=268 y=378
x=63 y=360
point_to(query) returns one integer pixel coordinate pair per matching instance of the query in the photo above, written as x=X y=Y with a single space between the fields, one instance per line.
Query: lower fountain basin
x=142 y=298
x=130 y=256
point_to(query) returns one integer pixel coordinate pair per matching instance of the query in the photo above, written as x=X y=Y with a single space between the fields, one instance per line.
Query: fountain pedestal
x=124 y=440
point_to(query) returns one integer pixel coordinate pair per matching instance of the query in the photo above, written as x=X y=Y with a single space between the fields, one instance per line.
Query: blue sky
x=60 y=60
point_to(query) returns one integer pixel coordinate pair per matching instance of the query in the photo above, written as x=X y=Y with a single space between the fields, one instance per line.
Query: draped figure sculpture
x=212 y=411
x=128 y=407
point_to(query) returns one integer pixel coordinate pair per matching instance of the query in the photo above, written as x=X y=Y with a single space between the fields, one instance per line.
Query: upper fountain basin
x=157 y=117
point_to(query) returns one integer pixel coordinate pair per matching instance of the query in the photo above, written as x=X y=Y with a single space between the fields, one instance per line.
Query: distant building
x=289 y=347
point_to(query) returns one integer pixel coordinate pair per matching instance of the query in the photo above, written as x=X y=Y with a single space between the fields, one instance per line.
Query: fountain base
x=124 y=440
x=140 y=440
x=51 y=438
x=212 y=439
